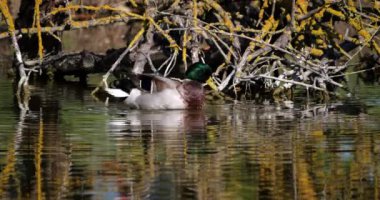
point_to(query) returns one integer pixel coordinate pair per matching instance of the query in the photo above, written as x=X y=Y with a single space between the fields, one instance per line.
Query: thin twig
x=115 y=64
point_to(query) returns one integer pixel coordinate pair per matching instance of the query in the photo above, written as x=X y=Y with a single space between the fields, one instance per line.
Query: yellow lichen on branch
x=302 y=6
x=316 y=52
x=226 y=17
x=377 y=5
x=318 y=32
x=336 y=13
x=84 y=24
x=318 y=16
x=263 y=7
x=37 y=24
x=301 y=10
x=172 y=42
x=133 y=2
x=364 y=33
x=74 y=25
x=185 y=39
x=136 y=38
x=351 y=5
x=195 y=14
x=7 y=15
x=96 y=8
x=269 y=26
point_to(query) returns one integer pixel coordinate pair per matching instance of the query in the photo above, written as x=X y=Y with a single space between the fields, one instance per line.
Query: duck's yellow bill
x=211 y=83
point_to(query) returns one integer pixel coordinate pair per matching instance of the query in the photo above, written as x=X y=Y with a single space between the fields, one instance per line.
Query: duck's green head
x=199 y=72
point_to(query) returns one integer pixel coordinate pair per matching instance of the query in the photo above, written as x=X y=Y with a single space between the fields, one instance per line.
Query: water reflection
x=69 y=146
x=137 y=122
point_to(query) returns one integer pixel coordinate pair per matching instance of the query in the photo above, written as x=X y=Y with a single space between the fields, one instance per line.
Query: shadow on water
x=70 y=146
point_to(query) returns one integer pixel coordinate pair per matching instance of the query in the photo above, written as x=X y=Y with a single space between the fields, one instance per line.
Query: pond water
x=72 y=146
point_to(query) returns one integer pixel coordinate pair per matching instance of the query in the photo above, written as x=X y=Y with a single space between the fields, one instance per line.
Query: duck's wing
x=160 y=83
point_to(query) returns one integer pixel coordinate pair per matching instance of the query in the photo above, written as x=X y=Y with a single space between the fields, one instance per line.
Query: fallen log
x=79 y=64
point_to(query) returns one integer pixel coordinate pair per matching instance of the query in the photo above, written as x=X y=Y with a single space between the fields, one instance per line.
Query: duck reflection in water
x=137 y=122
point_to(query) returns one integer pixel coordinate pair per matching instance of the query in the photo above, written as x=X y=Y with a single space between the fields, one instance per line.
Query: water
x=71 y=146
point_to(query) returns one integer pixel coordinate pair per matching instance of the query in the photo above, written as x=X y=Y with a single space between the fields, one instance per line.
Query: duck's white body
x=164 y=99
x=165 y=94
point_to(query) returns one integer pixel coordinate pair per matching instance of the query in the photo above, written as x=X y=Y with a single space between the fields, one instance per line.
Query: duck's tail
x=115 y=92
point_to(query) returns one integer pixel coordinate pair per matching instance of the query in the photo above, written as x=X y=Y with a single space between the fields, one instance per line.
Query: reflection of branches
x=38 y=157
x=9 y=168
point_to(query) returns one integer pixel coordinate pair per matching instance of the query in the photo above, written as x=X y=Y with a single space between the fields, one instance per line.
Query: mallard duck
x=168 y=93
